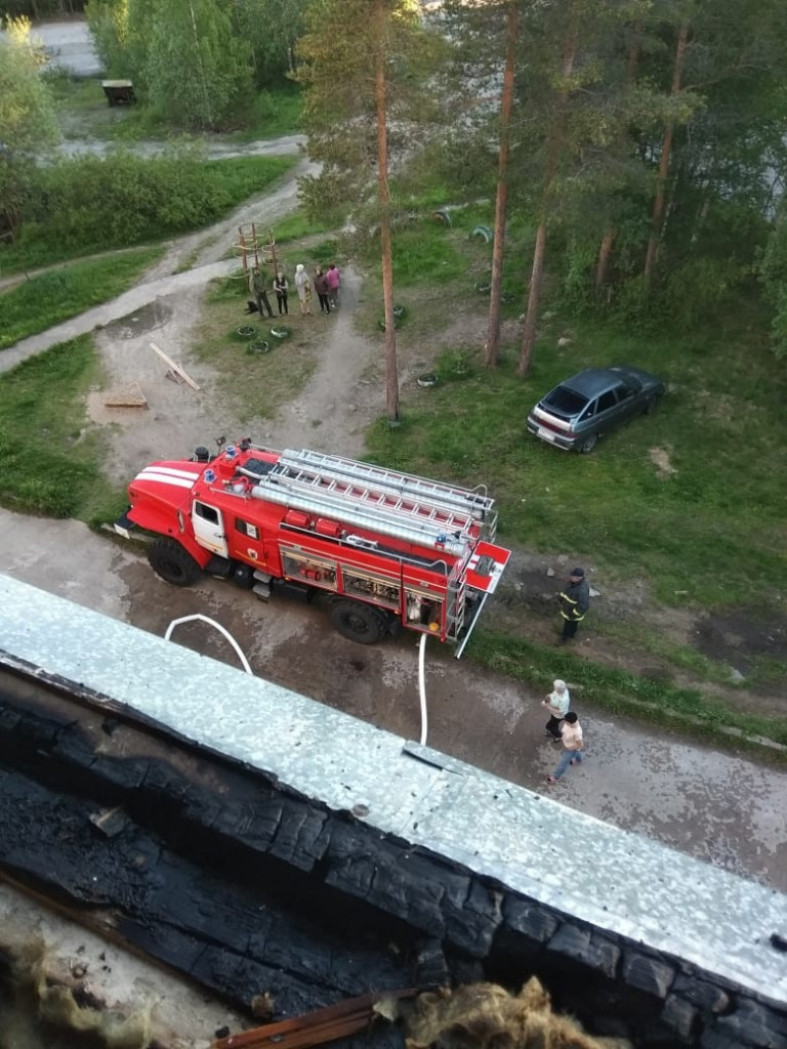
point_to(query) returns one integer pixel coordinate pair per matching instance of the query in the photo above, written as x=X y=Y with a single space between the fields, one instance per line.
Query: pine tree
x=664 y=162
x=501 y=198
x=360 y=60
x=556 y=147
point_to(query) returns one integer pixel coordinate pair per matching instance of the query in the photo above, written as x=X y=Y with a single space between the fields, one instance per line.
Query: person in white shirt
x=557 y=703
x=304 y=288
x=571 y=734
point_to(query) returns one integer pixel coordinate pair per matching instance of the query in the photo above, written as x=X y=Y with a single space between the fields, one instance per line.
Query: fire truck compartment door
x=209 y=527
x=485 y=567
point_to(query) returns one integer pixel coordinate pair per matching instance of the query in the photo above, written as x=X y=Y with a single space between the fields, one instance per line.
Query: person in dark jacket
x=574 y=601
x=323 y=290
x=280 y=286
x=259 y=286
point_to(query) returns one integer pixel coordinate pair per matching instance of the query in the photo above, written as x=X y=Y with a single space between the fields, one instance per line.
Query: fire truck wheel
x=174 y=564
x=359 y=622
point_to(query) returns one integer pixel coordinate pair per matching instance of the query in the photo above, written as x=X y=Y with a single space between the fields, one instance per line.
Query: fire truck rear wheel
x=358 y=622
x=174 y=564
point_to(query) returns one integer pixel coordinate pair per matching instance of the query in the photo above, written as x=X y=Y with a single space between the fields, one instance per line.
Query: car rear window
x=561 y=399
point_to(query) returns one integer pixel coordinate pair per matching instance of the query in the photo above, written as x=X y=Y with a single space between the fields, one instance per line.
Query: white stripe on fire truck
x=173 y=471
x=178 y=482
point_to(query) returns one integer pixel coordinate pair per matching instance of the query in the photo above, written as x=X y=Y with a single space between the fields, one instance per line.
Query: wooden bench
x=119 y=92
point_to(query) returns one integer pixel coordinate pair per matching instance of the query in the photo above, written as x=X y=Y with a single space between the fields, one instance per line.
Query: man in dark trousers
x=259 y=286
x=574 y=601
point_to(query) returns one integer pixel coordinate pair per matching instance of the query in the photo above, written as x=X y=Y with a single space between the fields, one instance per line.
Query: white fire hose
x=422 y=687
x=247 y=668
x=221 y=630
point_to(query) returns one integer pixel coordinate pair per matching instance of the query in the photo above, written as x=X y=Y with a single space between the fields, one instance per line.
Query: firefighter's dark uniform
x=574 y=602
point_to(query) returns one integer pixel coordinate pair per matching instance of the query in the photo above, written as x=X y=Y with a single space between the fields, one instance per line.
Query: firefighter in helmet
x=574 y=601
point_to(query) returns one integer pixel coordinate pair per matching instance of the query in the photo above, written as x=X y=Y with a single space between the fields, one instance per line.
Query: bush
x=87 y=203
x=695 y=291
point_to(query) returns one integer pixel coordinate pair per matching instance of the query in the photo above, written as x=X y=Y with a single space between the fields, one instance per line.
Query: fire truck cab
x=388 y=549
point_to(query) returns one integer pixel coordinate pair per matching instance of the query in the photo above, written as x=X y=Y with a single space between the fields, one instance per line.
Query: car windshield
x=566 y=401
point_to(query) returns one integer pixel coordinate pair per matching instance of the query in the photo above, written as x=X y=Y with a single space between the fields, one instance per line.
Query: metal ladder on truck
x=455 y=601
x=451 y=510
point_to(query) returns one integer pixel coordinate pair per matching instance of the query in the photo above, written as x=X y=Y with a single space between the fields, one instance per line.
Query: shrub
x=87 y=203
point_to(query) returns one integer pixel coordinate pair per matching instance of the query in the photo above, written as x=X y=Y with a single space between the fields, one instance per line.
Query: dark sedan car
x=580 y=410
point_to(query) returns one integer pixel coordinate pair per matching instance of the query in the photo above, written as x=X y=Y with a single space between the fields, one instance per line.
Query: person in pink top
x=571 y=735
x=334 y=280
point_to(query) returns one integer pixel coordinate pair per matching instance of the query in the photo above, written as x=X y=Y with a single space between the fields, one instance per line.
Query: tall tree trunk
x=652 y=254
x=529 y=333
x=501 y=202
x=391 y=374
x=604 y=255
x=553 y=154
x=605 y=250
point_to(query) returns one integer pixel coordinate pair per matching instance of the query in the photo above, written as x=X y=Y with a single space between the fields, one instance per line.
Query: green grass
x=50 y=463
x=708 y=532
x=296 y=226
x=73 y=92
x=426 y=248
x=634 y=634
x=622 y=692
x=712 y=533
x=256 y=385
x=84 y=112
x=46 y=300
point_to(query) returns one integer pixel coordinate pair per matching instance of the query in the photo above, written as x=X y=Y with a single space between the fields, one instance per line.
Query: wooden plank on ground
x=128 y=396
x=177 y=368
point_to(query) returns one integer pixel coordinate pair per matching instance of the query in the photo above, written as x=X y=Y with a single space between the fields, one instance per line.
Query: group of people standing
x=326 y=285
x=563 y=725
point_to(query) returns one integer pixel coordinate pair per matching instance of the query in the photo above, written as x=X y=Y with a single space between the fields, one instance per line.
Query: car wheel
x=358 y=622
x=588 y=444
x=650 y=404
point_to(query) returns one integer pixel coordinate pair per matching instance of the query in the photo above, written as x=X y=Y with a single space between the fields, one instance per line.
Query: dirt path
x=332 y=411
x=341 y=399
x=215 y=149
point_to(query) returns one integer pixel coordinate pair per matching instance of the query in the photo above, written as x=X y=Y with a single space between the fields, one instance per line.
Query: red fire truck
x=388 y=549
